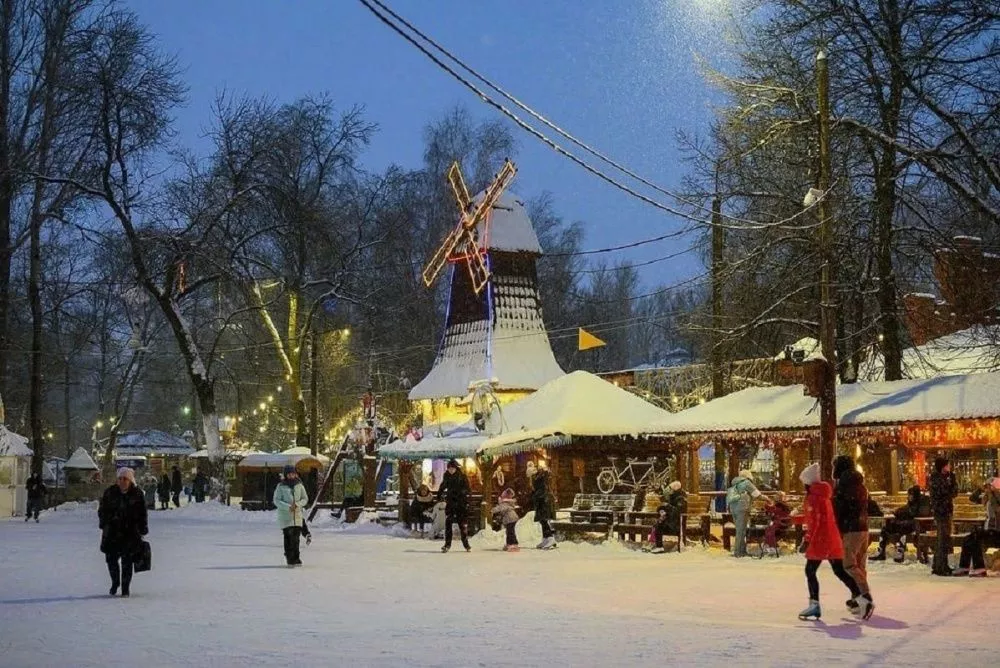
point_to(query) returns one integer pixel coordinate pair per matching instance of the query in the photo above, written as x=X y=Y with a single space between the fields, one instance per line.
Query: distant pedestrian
x=122 y=520
x=454 y=491
x=423 y=502
x=943 y=490
x=822 y=537
x=506 y=515
x=290 y=498
x=176 y=485
x=972 y=561
x=739 y=498
x=200 y=486
x=544 y=503
x=163 y=492
x=36 y=496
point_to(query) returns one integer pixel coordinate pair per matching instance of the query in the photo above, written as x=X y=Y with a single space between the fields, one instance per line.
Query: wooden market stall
x=260 y=473
x=894 y=429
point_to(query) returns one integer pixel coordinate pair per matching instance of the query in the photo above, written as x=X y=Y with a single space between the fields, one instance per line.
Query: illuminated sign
x=951 y=434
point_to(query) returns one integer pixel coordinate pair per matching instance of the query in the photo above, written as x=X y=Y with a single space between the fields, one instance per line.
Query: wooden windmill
x=463 y=244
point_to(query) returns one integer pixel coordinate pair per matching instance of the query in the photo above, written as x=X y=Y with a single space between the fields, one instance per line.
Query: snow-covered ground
x=219 y=595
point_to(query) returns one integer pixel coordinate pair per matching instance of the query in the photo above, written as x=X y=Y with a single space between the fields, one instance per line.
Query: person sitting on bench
x=902 y=524
x=972 y=546
x=780 y=513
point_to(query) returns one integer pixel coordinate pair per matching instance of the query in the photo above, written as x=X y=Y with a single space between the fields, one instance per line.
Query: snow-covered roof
x=509 y=227
x=203 y=453
x=12 y=444
x=808 y=345
x=513 y=349
x=81 y=459
x=769 y=408
x=576 y=404
x=443 y=441
x=973 y=350
x=151 y=442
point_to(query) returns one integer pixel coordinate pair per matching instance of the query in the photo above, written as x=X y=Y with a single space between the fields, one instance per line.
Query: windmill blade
x=493 y=192
x=440 y=258
x=459 y=189
x=479 y=272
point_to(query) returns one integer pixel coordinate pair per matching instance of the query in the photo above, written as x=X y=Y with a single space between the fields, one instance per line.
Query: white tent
x=444 y=441
x=577 y=404
x=81 y=460
x=15 y=461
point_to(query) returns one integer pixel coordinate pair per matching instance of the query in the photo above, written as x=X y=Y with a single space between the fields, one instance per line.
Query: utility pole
x=314 y=409
x=718 y=385
x=828 y=308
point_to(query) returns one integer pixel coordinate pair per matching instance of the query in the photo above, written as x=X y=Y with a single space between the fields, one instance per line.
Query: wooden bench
x=926 y=535
x=594 y=513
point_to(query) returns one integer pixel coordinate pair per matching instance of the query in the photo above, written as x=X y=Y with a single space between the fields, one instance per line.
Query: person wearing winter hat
x=506 y=514
x=850 y=507
x=677 y=505
x=739 y=498
x=943 y=489
x=454 y=491
x=779 y=512
x=290 y=498
x=423 y=501
x=822 y=537
x=122 y=518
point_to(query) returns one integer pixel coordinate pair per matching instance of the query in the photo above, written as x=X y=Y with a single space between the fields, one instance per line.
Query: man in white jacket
x=290 y=498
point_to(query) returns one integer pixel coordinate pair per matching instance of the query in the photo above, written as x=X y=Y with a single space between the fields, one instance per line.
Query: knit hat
x=674 y=486
x=746 y=473
x=453 y=463
x=507 y=495
x=126 y=472
x=842 y=464
x=996 y=484
x=810 y=474
x=940 y=463
x=288 y=470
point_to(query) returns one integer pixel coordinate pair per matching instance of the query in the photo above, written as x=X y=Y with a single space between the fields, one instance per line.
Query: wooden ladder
x=341 y=455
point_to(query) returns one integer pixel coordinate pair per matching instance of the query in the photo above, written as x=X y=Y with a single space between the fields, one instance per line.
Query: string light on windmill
x=463 y=242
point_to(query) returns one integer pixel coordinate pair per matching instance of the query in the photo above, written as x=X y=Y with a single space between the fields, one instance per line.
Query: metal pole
x=718 y=387
x=828 y=312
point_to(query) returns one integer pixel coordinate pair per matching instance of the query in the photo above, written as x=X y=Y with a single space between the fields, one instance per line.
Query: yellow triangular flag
x=586 y=340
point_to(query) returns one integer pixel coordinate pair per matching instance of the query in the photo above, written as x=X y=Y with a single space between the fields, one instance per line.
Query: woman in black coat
x=163 y=492
x=543 y=502
x=454 y=491
x=122 y=520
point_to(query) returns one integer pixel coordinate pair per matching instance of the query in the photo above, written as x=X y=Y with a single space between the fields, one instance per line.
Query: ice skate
x=539 y=546
x=863 y=606
x=811 y=612
x=960 y=572
x=852 y=605
x=658 y=550
x=978 y=573
x=900 y=553
x=512 y=548
x=445 y=548
x=548 y=544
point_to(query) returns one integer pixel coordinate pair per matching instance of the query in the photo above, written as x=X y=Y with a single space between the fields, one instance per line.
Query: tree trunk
x=314 y=391
x=6 y=184
x=35 y=381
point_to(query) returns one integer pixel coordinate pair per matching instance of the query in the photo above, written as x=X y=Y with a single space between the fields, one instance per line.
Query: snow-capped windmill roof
x=443 y=441
x=81 y=459
x=894 y=402
x=973 y=350
x=577 y=404
x=151 y=441
x=509 y=228
x=13 y=444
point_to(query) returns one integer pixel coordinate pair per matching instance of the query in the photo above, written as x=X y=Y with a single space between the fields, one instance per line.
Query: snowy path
x=219 y=596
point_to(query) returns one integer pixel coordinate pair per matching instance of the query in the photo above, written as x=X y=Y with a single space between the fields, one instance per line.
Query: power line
x=562 y=151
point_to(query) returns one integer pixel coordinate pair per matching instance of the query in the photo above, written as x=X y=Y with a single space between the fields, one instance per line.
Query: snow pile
x=213 y=511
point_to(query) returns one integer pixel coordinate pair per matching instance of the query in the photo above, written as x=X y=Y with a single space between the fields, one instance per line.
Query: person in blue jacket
x=290 y=498
x=740 y=498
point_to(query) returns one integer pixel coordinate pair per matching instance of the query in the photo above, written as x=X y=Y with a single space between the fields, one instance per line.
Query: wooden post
x=681 y=455
x=734 y=460
x=404 y=490
x=369 y=481
x=486 y=470
x=694 y=471
x=784 y=472
x=893 y=470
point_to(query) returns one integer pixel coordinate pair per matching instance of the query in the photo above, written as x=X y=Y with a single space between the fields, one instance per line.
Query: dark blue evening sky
x=620 y=74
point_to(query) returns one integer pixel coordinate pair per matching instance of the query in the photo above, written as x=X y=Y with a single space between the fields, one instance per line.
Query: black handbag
x=143 y=559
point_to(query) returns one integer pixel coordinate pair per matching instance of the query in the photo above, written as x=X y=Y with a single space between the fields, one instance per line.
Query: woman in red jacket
x=823 y=538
